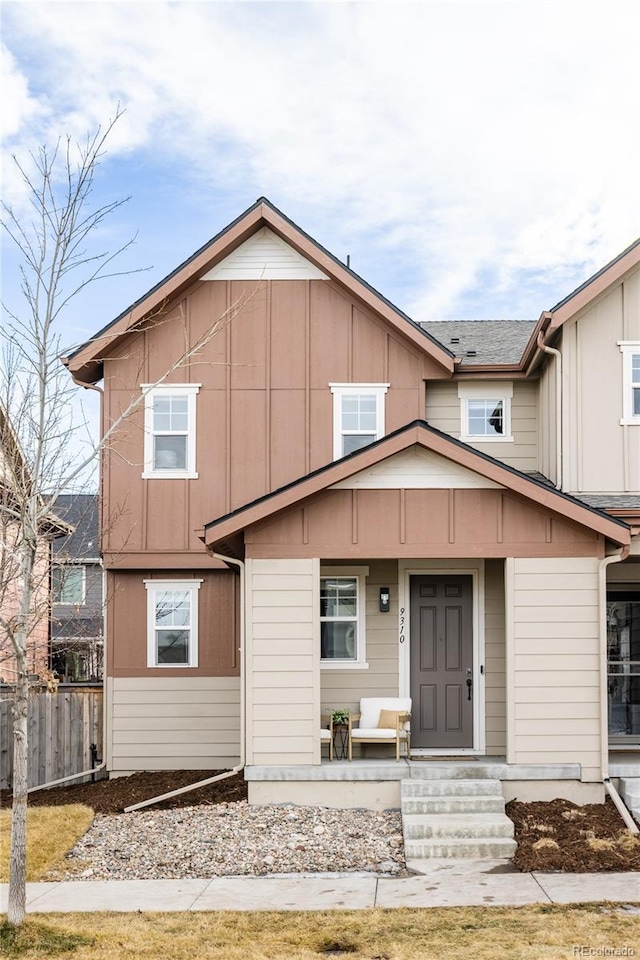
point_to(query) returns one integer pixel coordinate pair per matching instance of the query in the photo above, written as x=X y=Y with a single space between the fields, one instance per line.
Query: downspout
x=604 y=725
x=240 y=765
x=556 y=353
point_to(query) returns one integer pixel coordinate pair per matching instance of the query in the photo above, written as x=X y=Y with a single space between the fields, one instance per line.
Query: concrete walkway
x=445 y=883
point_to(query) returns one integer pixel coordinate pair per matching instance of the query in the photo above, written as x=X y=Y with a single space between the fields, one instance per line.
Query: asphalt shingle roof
x=494 y=341
x=611 y=501
x=81 y=511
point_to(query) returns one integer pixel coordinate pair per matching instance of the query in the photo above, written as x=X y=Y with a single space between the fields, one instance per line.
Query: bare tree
x=38 y=459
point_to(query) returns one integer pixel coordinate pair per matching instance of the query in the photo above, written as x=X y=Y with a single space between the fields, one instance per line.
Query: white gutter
x=556 y=353
x=604 y=719
x=240 y=765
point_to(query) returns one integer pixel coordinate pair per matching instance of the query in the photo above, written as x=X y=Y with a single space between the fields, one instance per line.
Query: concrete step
x=476 y=826
x=448 y=804
x=629 y=788
x=496 y=848
x=450 y=788
x=450 y=771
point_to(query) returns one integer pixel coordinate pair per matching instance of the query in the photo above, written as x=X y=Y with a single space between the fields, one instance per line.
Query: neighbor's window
x=170 y=431
x=342 y=633
x=630 y=382
x=485 y=411
x=172 y=619
x=68 y=584
x=358 y=415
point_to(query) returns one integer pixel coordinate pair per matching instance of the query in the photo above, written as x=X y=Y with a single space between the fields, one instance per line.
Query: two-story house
x=76 y=588
x=331 y=501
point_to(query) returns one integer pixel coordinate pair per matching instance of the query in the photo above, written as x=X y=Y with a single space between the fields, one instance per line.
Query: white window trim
x=360 y=573
x=340 y=390
x=152 y=587
x=73 y=566
x=494 y=391
x=628 y=348
x=170 y=389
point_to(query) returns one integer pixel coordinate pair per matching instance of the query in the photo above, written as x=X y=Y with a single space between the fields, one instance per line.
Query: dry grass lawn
x=484 y=933
x=51 y=832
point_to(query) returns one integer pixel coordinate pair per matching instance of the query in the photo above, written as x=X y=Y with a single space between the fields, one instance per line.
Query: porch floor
x=480 y=768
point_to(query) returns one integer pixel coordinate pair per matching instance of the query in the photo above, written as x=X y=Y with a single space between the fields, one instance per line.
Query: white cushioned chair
x=326 y=736
x=372 y=726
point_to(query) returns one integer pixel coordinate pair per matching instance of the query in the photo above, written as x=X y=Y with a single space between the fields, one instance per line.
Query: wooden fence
x=62 y=727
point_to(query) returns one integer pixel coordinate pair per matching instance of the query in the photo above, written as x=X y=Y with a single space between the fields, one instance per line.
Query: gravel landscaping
x=233 y=839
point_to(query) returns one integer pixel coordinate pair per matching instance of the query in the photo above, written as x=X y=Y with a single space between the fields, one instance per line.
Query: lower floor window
x=623 y=654
x=342 y=638
x=172 y=618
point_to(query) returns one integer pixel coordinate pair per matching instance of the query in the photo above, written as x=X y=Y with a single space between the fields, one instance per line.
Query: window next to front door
x=623 y=654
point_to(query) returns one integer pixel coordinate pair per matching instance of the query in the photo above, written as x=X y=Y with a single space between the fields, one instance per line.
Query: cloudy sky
x=475 y=159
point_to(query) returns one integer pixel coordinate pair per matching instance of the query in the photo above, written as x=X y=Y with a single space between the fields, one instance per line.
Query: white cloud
x=467 y=141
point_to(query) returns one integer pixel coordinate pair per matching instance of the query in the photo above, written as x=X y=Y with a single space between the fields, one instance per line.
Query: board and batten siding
x=553 y=662
x=600 y=455
x=283 y=661
x=344 y=688
x=172 y=723
x=443 y=412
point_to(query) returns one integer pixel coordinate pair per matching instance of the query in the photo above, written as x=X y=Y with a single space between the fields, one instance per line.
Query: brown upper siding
x=264 y=409
x=419 y=523
x=218 y=602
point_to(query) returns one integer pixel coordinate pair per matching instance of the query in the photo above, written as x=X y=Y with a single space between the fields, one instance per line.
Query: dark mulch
x=112 y=796
x=585 y=839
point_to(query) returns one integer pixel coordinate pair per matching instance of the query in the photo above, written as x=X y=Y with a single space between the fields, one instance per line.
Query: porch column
x=283 y=661
x=553 y=662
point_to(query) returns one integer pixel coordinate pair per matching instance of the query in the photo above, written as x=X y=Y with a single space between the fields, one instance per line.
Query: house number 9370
x=403 y=621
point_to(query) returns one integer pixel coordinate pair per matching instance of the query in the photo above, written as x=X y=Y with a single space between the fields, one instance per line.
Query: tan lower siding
x=494 y=663
x=283 y=651
x=556 y=667
x=160 y=723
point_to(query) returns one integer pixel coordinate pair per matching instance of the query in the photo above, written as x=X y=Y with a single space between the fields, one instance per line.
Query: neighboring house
x=329 y=451
x=15 y=481
x=76 y=592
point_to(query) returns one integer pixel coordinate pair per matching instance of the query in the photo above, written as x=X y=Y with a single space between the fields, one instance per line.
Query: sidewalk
x=445 y=883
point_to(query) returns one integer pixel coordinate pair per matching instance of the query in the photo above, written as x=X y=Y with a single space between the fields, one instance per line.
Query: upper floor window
x=630 y=382
x=172 y=623
x=68 y=584
x=358 y=415
x=485 y=411
x=170 y=430
x=342 y=617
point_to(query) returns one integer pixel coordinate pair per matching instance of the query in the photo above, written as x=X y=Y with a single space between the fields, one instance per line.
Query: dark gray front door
x=441 y=661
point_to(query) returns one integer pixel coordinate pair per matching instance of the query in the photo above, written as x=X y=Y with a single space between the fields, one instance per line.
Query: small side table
x=340 y=741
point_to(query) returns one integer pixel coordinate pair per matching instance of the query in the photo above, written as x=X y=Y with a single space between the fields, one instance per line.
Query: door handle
x=469 y=683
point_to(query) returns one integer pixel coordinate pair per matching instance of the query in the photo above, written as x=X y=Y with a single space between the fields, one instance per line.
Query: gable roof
x=85 y=363
x=421 y=433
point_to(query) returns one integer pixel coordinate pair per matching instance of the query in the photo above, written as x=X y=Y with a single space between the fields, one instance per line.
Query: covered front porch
x=419 y=568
